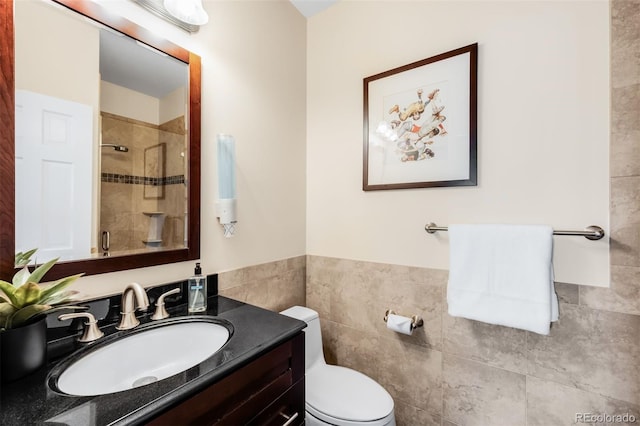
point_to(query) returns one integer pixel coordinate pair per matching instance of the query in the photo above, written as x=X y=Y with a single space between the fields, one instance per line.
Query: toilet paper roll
x=399 y=324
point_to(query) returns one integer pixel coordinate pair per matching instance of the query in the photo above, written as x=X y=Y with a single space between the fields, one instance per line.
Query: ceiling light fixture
x=189 y=11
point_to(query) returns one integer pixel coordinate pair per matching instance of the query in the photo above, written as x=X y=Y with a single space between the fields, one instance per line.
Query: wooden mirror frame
x=98 y=265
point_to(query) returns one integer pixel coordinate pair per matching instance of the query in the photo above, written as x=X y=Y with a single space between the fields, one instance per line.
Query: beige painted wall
x=253 y=87
x=543 y=127
x=243 y=75
x=125 y=102
x=173 y=105
x=46 y=54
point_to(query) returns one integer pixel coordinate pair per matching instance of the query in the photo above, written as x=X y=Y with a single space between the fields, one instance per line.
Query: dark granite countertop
x=31 y=401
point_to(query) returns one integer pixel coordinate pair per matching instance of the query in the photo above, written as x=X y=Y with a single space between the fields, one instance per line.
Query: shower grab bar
x=592 y=232
x=106 y=241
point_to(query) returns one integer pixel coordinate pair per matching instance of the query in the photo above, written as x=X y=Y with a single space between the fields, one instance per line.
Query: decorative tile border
x=142 y=180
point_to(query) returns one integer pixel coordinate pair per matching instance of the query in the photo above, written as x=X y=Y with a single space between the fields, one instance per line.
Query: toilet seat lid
x=346 y=394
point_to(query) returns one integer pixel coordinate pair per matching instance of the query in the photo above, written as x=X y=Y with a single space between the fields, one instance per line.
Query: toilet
x=336 y=395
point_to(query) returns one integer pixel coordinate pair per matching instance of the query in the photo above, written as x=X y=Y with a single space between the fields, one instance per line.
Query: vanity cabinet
x=267 y=391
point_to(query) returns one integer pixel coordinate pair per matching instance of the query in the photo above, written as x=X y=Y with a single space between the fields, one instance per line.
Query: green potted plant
x=23 y=305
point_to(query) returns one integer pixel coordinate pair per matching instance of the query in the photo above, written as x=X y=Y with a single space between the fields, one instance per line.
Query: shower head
x=120 y=148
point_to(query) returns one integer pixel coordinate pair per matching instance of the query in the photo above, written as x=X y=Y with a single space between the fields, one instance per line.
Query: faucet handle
x=91 y=330
x=161 y=312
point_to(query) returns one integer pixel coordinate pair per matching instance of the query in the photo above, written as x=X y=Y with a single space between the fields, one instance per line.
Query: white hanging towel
x=503 y=274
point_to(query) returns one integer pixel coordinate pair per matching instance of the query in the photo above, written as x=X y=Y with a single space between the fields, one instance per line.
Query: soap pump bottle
x=197 y=291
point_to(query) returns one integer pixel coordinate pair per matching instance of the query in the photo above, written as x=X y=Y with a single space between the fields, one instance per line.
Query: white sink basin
x=142 y=358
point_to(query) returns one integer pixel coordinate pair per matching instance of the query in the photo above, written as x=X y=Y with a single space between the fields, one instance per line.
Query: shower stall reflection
x=143 y=191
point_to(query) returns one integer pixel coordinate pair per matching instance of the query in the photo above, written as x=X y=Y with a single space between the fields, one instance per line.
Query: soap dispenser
x=197 y=291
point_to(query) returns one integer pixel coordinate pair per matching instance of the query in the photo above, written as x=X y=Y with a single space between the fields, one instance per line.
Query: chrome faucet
x=133 y=297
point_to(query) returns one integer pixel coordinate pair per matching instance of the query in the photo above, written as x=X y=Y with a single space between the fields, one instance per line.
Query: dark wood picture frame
x=420 y=123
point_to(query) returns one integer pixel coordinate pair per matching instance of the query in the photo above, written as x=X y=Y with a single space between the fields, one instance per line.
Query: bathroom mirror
x=136 y=188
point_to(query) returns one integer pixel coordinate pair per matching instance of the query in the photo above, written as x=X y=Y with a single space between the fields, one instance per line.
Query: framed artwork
x=420 y=123
x=154 y=170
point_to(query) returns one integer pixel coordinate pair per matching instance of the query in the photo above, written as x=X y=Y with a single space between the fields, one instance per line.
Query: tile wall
x=274 y=285
x=455 y=371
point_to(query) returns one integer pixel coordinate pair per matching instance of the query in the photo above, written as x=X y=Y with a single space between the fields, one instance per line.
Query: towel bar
x=592 y=232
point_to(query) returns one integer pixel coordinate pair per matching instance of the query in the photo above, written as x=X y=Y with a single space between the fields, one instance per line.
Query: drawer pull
x=289 y=419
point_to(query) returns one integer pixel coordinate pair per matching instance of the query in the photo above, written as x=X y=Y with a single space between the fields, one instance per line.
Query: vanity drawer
x=271 y=405
x=245 y=393
x=287 y=410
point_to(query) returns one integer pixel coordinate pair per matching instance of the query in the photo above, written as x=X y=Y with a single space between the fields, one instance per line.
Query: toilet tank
x=313 y=335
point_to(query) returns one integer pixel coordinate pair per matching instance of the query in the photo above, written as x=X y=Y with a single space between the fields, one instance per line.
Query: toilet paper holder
x=416 y=321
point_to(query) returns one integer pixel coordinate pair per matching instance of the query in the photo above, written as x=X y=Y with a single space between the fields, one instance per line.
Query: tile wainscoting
x=274 y=285
x=455 y=371
x=459 y=372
